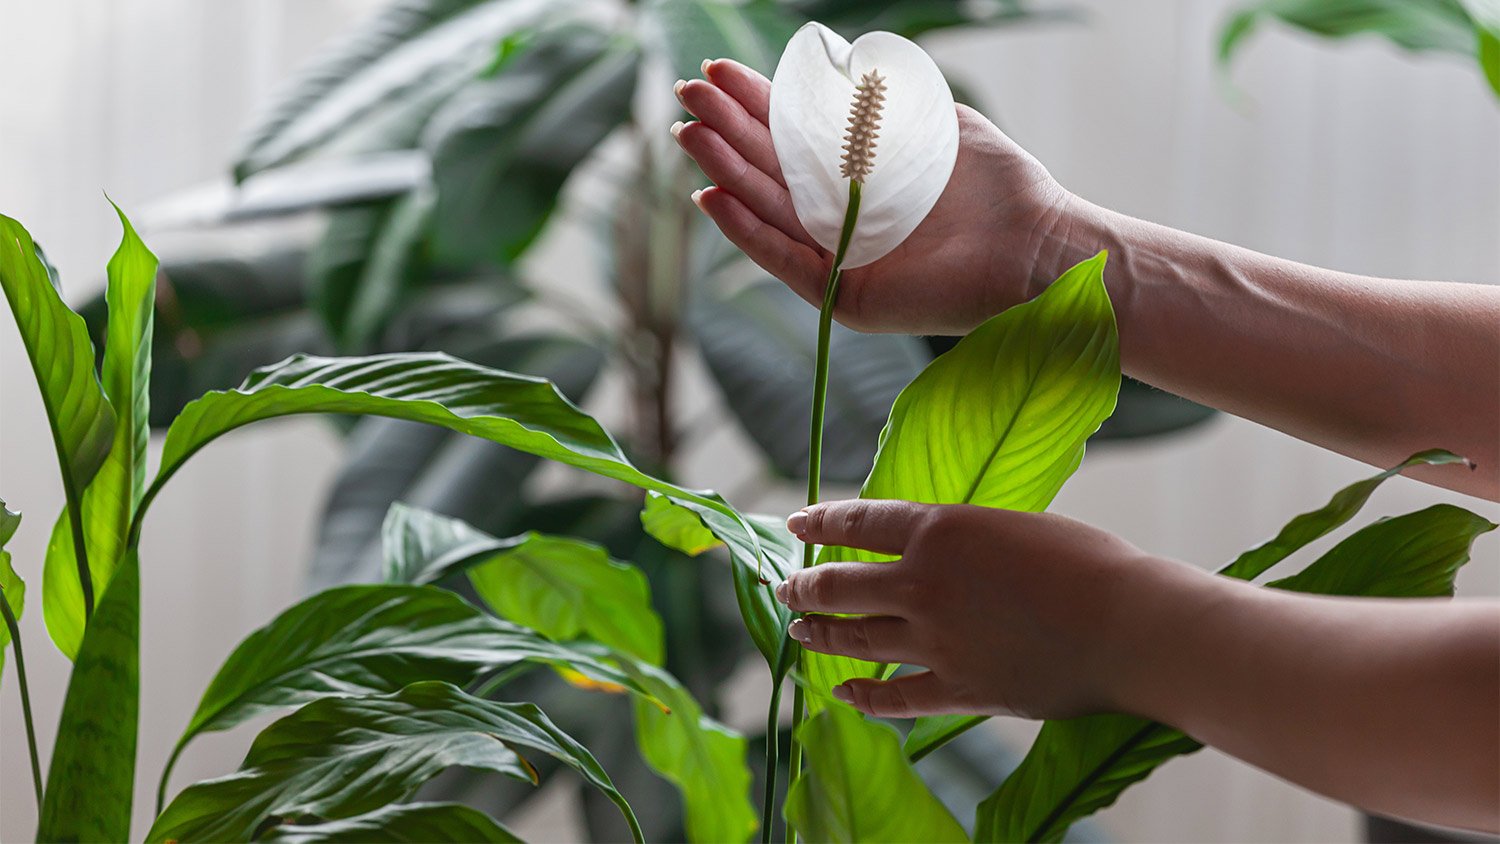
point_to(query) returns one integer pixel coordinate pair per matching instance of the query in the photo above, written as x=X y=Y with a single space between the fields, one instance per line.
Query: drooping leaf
x=398 y=823
x=999 y=421
x=502 y=148
x=677 y=527
x=1079 y=766
x=859 y=787
x=761 y=347
x=342 y=757
x=91 y=780
x=519 y=411
x=110 y=500
x=560 y=587
x=703 y=758
x=376 y=87
x=689 y=31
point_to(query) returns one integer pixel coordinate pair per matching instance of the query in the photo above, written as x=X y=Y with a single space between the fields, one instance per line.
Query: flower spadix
x=877 y=111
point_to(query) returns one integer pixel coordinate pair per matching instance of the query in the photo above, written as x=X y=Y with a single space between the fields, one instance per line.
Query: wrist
x=1071 y=230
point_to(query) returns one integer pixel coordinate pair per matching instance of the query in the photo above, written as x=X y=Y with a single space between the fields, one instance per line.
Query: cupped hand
x=1027 y=614
x=972 y=257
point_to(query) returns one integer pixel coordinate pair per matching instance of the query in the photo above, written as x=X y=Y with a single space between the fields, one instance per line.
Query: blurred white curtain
x=1353 y=156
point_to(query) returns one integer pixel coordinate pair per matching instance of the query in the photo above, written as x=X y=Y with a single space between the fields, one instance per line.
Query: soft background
x=1353 y=156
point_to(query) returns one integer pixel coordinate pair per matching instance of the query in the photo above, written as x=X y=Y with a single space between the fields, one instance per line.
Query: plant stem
x=815 y=442
x=15 y=638
x=773 y=751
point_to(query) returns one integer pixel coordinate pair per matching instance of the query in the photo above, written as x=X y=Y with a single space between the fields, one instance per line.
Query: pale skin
x=1391 y=705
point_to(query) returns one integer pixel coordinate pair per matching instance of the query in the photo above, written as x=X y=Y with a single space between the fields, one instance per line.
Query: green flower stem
x=773 y=751
x=15 y=638
x=815 y=443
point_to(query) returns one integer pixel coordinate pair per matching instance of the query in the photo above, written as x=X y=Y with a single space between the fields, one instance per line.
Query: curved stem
x=773 y=751
x=15 y=639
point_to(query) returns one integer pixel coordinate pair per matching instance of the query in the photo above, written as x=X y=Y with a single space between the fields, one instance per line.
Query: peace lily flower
x=830 y=101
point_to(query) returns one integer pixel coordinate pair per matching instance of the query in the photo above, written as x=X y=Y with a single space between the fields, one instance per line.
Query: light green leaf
x=13 y=586
x=689 y=31
x=1079 y=766
x=503 y=147
x=999 y=421
x=519 y=411
x=858 y=786
x=355 y=640
x=342 y=757
x=399 y=823
x=703 y=758
x=92 y=776
x=933 y=731
x=677 y=527
x=1486 y=17
x=110 y=500
x=560 y=587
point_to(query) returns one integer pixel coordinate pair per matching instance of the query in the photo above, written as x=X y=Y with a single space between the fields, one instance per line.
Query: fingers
x=880 y=526
x=726 y=168
x=862 y=588
x=795 y=263
x=725 y=115
x=908 y=696
x=749 y=88
x=877 y=639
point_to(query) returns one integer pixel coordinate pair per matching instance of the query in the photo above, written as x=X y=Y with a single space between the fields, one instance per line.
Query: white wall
x=1356 y=157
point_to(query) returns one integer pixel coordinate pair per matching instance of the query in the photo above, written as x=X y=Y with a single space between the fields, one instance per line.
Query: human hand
x=972 y=257
x=1027 y=614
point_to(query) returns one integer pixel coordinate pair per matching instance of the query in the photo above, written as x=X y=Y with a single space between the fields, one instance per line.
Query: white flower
x=830 y=102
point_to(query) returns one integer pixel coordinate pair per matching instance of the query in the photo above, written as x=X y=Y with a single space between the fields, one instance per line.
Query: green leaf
x=910 y=18
x=367 y=259
x=92 y=775
x=355 y=640
x=859 y=787
x=399 y=823
x=1013 y=405
x=761 y=347
x=677 y=527
x=1309 y=526
x=703 y=758
x=502 y=148
x=14 y=588
x=931 y=732
x=110 y=500
x=1079 y=766
x=342 y=757
x=377 y=86
x=689 y=31
x=519 y=411
x=1486 y=17
x=560 y=587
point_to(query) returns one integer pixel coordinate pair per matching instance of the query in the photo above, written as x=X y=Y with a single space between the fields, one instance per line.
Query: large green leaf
x=999 y=421
x=502 y=148
x=355 y=640
x=560 y=587
x=859 y=787
x=399 y=823
x=110 y=500
x=369 y=255
x=761 y=347
x=92 y=776
x=689 y=31
x=703 y=758
x=519 y=411
x=342 y=757
x=1079 y=766
x=11 y=583
x=1469 y=27
x=377 y=86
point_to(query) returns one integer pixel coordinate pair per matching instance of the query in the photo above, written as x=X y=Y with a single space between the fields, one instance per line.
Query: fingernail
x=797 y=522
x=781 y=592
x=704 y=66
x=697 y=198
x=676 y=129
x=801 y=631
x=843 y=693
x=677 y=88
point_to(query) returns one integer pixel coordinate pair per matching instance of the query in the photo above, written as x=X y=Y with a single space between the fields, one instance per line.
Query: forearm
x=1372 y=368
x=1390 y=705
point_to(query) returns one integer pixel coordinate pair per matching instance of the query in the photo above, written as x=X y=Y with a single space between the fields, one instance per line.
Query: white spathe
x=811 y=93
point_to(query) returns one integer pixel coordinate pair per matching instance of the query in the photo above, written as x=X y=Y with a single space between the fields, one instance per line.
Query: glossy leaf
x=561 y=587
x=677 y=527
x=999 y=421
x=519 y=411
x=91 y=780
x=110 y=500
x=1079 y=766
x=502 y=148
x=398 y=823
x=761 y=346
x=343 y=757
x=362 y=266
x=859 y=787
x=689 y=31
